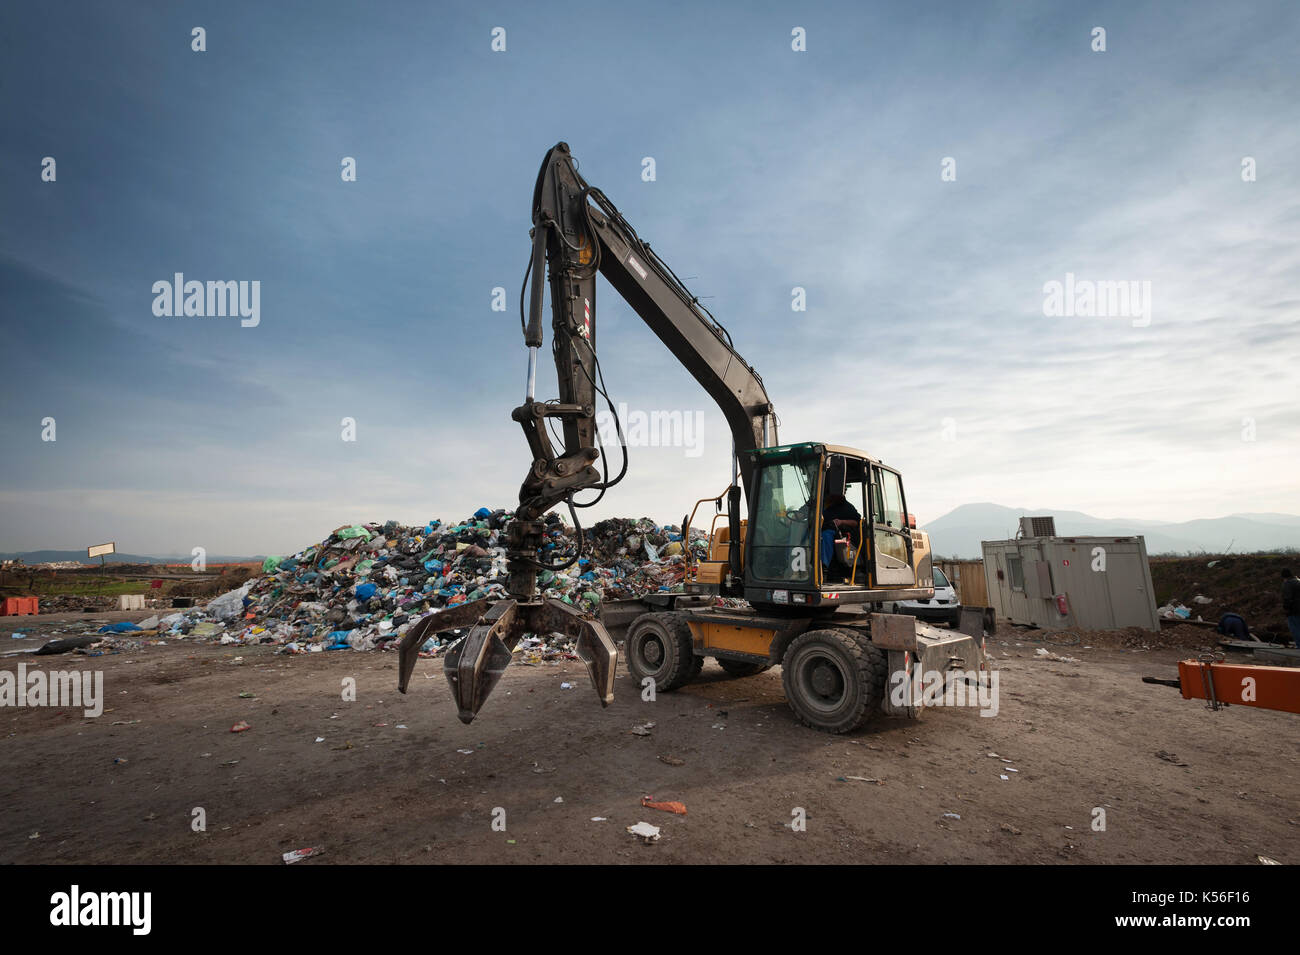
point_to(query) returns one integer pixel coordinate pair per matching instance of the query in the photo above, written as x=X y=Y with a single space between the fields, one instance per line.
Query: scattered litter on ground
x=673 y=807
x=67 y=644
x=297 y=855
x=646 y=832
x=240 y=727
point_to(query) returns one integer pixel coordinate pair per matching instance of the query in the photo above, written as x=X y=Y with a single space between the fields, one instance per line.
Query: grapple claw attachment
x=593 y=645
x=598 y=652
x=474 y=666
x=453 y=618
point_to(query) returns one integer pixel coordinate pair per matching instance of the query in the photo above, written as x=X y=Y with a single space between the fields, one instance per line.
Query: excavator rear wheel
x=739 y=668
x=659 y=646
x=834 y=679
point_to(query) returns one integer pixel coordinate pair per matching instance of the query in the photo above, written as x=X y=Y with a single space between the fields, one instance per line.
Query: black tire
x=739 y=668
x=834 y=679
x=659 y=645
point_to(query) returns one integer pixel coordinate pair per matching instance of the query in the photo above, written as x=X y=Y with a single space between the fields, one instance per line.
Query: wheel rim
x=822 y=680
x=652 y=651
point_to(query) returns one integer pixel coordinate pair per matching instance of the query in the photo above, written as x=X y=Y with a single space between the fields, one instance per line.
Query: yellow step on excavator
x=809 y=538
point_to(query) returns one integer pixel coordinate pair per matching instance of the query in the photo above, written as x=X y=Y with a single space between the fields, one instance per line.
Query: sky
x=922 y=172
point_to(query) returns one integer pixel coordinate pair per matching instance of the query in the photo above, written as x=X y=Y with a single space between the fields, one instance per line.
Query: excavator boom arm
x=578 y=232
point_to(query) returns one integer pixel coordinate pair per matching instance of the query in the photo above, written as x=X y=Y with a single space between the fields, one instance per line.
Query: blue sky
x=924 y=340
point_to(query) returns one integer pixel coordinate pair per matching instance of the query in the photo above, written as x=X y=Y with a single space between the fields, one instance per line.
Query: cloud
x=774 y=170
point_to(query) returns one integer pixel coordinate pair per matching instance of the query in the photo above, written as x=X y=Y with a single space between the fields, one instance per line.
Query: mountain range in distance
x=959 y=532
x=58 y=556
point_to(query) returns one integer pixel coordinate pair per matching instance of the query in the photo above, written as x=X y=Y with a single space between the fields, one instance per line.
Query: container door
x=1129 y=600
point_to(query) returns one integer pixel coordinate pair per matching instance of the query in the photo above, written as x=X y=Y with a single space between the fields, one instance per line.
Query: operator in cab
x=840 y=519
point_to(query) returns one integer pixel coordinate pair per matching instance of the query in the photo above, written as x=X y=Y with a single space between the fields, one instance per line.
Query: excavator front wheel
x=834 y=679
x=659 y=646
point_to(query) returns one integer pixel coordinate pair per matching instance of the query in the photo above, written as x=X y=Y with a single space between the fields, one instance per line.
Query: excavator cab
x=827 y=525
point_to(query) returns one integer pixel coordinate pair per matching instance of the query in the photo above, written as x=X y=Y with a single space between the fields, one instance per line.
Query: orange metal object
x=1242 y=684
x=17 y=606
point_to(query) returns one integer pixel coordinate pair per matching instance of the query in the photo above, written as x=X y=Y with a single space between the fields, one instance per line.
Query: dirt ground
x=388 y=781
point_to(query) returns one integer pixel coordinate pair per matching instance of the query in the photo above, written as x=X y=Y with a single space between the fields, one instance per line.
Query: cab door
x=889 y=530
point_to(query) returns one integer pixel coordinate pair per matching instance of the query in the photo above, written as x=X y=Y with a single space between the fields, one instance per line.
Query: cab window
x=889 y=499
x=781 y=541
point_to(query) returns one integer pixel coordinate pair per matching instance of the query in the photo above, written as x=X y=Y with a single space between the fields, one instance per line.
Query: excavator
x=808 y=538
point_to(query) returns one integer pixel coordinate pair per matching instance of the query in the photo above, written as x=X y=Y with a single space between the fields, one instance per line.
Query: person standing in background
x=1291 y=603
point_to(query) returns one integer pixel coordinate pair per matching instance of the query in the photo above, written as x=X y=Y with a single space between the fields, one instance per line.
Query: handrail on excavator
x=686 y=528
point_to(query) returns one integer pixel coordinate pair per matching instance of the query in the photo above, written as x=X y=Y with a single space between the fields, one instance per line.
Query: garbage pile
x=365 y=585
x=1175 y=610
x=79 y=603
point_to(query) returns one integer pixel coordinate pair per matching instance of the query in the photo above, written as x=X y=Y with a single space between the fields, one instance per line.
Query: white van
x=943 y=608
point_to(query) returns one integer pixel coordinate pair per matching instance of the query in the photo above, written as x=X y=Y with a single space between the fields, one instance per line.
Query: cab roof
x=810 y=448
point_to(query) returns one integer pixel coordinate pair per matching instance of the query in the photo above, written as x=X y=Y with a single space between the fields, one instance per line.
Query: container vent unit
x=1037 y=527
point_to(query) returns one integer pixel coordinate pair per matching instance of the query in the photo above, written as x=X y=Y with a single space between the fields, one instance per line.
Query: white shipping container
x=1056 y=583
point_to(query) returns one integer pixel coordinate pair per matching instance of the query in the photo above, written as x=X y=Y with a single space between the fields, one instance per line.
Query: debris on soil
x=1246 y=584
x=673 y=807
x=240 y=727
x=66 y=645
x=297 y=855
x=646 y=832
x=672 y=760
x=1183 y=636
x=1169 y=758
